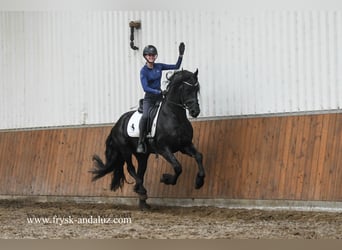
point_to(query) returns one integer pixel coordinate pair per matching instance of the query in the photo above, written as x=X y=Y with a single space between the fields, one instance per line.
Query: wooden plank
x=292 y=161
x=329 y=164
x=302 y=156
x=285 y=166
x=271 y=139
x=274 y=174
x=312 y=148
x=254 y=166
x=244 y=149
x=242 y=188
x=262 y=153
x=228 y=159
x=320 y=161
x=336 y=194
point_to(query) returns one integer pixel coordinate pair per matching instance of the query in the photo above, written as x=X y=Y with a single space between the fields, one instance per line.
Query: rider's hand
x=164 y=92
x=181 y=48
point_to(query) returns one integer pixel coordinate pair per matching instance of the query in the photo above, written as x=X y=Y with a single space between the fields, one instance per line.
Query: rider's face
x=151 y=58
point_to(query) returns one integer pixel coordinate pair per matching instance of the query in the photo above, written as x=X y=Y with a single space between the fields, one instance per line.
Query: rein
x=177 y=104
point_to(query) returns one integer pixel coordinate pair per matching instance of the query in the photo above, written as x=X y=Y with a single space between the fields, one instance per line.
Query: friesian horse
x=174 y=133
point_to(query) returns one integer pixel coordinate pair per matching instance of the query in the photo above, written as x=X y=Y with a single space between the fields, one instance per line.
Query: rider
x=150 y=77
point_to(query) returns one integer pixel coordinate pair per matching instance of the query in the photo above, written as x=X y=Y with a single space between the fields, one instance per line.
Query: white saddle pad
x=133 y=125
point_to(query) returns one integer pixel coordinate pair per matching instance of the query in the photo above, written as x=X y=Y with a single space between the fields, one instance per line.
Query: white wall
x=76 y=67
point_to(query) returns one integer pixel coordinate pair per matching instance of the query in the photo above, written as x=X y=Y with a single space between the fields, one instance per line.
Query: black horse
x=174 y=133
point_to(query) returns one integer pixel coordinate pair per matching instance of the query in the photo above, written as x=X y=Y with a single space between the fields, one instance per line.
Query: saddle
x=133 y=123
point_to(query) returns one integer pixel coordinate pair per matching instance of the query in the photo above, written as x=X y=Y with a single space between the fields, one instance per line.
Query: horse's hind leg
x=192 y=151
x=131 y=170
x=142 y=165
x=139 y=186
x=138 y=177
x=168 y=178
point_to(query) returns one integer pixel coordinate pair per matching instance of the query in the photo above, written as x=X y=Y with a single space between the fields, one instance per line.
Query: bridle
x=192 y=85
x=183 y=104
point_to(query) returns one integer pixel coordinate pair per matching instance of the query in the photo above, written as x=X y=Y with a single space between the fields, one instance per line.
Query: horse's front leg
x=170 y=179
x=192 y=151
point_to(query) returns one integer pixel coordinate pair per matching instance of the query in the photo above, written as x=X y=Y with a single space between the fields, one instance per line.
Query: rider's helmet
x=150 y=50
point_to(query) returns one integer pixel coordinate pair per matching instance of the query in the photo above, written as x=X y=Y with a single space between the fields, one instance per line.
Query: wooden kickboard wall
x=287 y=157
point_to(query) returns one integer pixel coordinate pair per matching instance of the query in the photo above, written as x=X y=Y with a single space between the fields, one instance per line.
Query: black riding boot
x=141 y=143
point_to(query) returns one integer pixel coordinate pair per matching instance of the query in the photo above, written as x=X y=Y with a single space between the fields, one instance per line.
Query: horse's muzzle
x=193 y=108
x=194 y=112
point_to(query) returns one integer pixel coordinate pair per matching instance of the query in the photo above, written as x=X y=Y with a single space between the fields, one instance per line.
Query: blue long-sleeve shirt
x=151 y=78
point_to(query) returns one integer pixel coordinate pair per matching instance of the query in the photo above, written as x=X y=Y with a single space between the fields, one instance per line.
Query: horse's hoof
x=143 y=197
x=143 y=205
x=199 y=182
x=167 y=179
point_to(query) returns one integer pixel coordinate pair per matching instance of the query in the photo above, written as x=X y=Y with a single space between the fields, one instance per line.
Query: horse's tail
x=114 y=163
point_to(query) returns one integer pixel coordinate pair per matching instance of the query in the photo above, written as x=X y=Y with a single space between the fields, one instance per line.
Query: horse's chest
x=183 y=134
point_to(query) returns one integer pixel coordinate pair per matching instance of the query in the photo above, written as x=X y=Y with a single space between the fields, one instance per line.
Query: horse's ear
x=196 y=72
x=169 y=74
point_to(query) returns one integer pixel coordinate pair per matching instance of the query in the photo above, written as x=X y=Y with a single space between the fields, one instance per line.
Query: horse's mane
x=176 y=78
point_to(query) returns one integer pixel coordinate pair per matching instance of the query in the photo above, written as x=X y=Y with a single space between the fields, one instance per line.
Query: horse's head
x=183 y=91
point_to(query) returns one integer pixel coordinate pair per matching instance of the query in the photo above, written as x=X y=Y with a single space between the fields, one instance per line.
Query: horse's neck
x=174 y=96
x=172 y=105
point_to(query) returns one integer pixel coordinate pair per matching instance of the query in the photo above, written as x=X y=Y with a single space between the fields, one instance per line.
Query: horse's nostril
x=194 y=113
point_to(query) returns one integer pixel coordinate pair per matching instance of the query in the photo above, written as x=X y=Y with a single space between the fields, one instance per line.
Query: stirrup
x=141 y=148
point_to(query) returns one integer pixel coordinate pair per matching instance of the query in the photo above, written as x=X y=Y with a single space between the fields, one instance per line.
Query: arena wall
x=64 y=74
x=296 y=157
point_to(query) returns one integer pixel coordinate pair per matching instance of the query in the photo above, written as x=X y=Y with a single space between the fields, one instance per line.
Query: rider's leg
x=141 y=143
x=143 y=126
